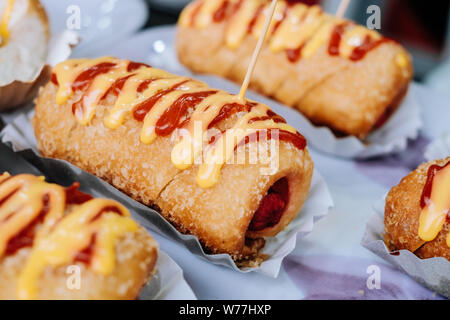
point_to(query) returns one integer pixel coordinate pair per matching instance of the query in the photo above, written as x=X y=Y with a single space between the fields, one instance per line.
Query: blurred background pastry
x=58 y=243
x=417 y=212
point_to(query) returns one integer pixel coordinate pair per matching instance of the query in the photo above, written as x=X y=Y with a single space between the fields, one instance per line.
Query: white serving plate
x=102 y=22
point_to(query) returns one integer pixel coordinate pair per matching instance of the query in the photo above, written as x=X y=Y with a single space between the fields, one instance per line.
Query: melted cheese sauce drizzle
x=60 y=237
x=437 y=205
x=150 y=95
x=298 y=29
x=4 y=24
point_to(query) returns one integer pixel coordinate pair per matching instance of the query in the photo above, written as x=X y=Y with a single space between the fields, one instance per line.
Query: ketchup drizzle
x=54 y=79
x=133 y=66
x=228 y=110
x=278 y=22
x=293 y=55
x=144 y=85
x=368 y=44
x=25 y=238
x=336 y=38
x=112 y=209
x=85 y=78
x=75 y=196
x=221 y=13
x=176 y=115
x=426 y=193
x=85 y=255
x=195 y=12
x=255 y=18
x=116 y=87
x=296 y=139
x=141 y=110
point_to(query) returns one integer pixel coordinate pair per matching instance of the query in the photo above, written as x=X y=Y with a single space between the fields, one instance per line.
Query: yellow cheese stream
x=434 y=215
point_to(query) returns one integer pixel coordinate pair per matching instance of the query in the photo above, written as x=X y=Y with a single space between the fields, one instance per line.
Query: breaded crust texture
x=219 y=215
x=402 y=215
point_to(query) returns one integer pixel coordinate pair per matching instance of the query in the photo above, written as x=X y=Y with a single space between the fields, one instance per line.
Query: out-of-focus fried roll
x=417 y=212
x=58 y=243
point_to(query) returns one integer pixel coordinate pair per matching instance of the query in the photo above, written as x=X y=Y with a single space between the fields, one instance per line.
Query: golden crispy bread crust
x=402 y=215
x=218 y=216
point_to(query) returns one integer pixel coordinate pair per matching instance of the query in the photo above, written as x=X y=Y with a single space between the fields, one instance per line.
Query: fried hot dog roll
x=50 y=234
x=175 y=144
x=417 y=212
x=335 y=72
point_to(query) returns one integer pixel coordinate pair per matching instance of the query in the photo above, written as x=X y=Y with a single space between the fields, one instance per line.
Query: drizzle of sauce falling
x=83 y=80
x=85 y=255
x=141 y=110
x=294 y=55
x=255 y=18
x=75 y=196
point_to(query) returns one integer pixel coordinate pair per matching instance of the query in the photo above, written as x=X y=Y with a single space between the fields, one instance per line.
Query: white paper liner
x=167 y=283
x=439 y=149
x=391 y=138
x=433 y=273
x=319 y=203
